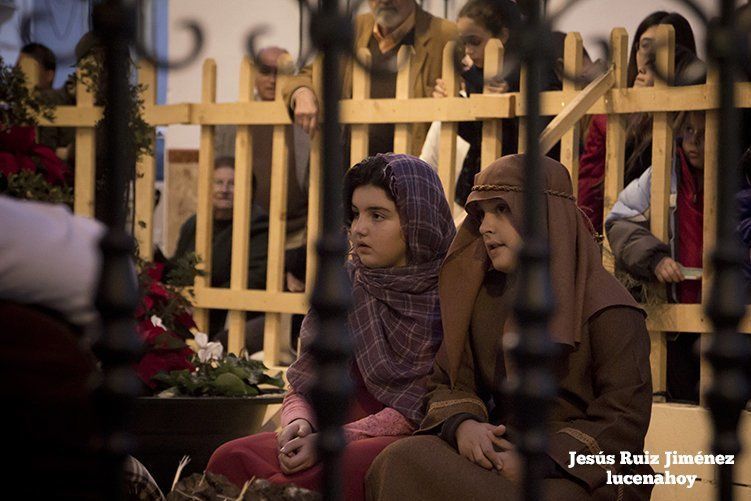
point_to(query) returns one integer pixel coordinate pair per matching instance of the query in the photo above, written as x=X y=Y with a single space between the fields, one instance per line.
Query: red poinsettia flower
x=157 y=361
x=157 y=289
x=19 y=151
x=155 y=271
x=185 y=319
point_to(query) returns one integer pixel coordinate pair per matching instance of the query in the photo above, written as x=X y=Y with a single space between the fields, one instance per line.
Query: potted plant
x=196 y=396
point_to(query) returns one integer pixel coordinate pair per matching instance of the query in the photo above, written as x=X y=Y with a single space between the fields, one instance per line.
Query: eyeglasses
x=265 y=69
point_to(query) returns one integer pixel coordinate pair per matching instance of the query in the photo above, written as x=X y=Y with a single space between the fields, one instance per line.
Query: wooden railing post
x=85 y=154
x=146 y=173
x=572 y=66
x=204 y=206
x=315 y=189
x=447 y=142
x=276 y=325
x=360 y=90
x=491 y=129
x=662 y=162
x=241 y=210
x=709 y=228
x=402 y=131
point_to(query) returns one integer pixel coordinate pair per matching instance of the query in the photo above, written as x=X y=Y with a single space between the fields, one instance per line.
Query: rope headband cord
x=510 y=187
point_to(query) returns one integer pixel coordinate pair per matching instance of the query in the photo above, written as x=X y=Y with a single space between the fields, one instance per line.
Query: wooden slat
x=447 y=141
x=662 y=140
x=709 y=237
x=373 y=111
x=422 y=109
x=253 y=113
x=662 y=156
x=565 y=121
x=83 y=204
x=146 y=173
x=74 y=116
x=167 y=114
x=314 y=190
x=625 y=100
x=686 y=318
x=360 y=91
x=250 y=300
x=204 y=207
x=616 y=128
x=491 y=129
x=520 y=100
x=276 y=325
x=242 y=203
x=402 y=132
x=573 y=56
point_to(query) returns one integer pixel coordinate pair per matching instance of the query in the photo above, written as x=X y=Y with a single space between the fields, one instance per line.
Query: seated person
x=604 y=396
x=400 y=227
x=221 y=246
x=646 y=257
x=49 y=268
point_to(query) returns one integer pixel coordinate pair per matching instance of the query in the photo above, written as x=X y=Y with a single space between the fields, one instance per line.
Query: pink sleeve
x=387 y=422
x=295 y=406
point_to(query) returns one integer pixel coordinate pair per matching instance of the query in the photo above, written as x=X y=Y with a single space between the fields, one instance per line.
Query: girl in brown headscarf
x=604 y=398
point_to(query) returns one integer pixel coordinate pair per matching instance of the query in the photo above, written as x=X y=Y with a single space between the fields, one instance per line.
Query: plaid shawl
x=395 y=322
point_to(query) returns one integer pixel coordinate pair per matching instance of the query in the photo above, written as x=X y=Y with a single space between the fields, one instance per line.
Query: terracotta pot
x=169 y=428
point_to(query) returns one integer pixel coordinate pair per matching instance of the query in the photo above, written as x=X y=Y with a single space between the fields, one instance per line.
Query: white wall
x=226 y=24
x=10 y=29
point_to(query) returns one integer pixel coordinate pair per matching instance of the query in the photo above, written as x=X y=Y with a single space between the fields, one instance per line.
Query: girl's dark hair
x=493 y=15
x=371 y=171
x=684 y=35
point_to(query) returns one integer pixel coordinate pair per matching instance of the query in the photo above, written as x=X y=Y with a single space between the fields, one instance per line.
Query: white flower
x=157 y=322
x=207 y=350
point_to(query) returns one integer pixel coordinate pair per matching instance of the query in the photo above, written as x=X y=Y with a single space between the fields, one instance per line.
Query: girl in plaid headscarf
x=400 y=228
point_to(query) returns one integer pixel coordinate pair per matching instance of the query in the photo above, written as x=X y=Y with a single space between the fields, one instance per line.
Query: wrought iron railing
x=114 y=21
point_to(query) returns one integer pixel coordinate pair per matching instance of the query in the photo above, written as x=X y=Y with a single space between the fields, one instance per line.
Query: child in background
x=646 y=257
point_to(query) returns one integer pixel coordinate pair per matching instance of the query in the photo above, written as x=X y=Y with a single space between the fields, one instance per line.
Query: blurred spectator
x=298 y=149
x=47 y=63
x=639 y=132
x=221 y=241
x=388 y=26
x=678 y=262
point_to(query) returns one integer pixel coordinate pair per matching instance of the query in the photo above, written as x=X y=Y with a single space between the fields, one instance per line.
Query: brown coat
x=431 y=35
x=603 y=404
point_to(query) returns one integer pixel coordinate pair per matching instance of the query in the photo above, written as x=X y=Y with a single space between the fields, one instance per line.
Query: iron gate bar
x=330 y=300
x=728 y=350
x=535 y=388
x=117 y=293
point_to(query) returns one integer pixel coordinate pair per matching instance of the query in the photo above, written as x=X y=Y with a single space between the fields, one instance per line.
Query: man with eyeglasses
x=388 y=26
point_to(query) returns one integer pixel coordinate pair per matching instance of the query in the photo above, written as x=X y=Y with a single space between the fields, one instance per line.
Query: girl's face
x=693 y=139
x=646 y=46
x=645 y=77
x=376 y=230
x=475 y=37
x=502 y=241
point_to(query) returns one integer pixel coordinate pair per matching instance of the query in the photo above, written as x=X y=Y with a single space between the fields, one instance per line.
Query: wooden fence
x=608 y=94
